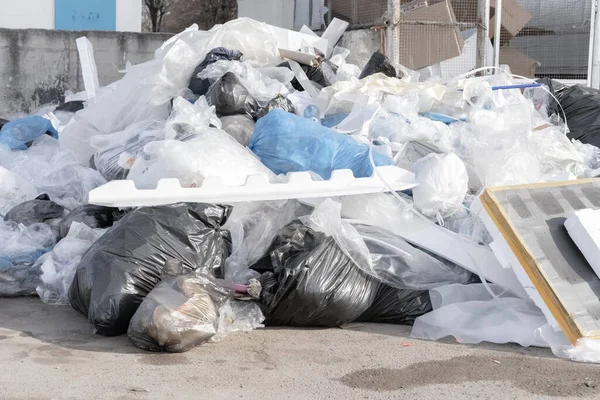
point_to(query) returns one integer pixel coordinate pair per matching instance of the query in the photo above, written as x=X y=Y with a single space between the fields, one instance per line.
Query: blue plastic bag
x=286 y=143
x=16 y=134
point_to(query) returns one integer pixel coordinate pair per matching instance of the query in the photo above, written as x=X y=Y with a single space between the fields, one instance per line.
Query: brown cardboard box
x=519 y=62
x=424 y=45
x=514 y=16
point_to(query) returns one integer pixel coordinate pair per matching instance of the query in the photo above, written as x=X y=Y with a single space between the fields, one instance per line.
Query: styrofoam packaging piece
x=584 y=228
x=291 y=40
x=298 y=185
x=89 y=70
x=334 y=33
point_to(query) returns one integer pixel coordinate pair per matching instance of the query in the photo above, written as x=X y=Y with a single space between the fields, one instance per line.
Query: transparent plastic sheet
x=345 y=71
x=238 y=316
x=187 y=118
x=402 y=266
x=467 y=312
x=146 y=89
x=128 y=261
x=590 y=154
x=332 y=99
x=117 y=152
x=259 y=85
x=20 y=247
x=468 y=225
x=381 y=254
x=58 y=267
x=557 y=154
x=14 y=190
x=76 y=137
x=443 y=184
x=286 y=143
x=253 y=227
x=53 y=171
x=239 y=127
x=180 y=313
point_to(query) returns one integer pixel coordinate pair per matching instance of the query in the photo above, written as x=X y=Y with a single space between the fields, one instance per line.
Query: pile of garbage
x=249 y=108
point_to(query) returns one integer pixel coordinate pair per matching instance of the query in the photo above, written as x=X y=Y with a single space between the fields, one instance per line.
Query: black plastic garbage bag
x=313 y=282
x=314 y=74
x=19 y=276
x=379 y=63
x=93 y=216
x=180 y=313
x=201 y=86
x=3 y=122
x=280 y=102
x=70 y=106
x=126 y=263
x=41 y=209
x=230 y=97
x=581 y=105
x=397 y=306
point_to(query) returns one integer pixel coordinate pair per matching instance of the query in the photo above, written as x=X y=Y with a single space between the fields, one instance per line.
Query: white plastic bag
x=211 y=153
x=443 y=184
x=59 y=266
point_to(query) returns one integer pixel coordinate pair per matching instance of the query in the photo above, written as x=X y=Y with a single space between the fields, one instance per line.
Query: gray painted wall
x=38 y=66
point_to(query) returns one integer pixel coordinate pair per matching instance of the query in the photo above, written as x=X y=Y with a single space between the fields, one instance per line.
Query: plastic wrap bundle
x=20 y=247
x=126 y=263
x=239 y=127
x=443 y=184
x=58 y=266
x=180 y=313
x=309 y=281
x=200 y=86
x=286 y=143
x=230 y=97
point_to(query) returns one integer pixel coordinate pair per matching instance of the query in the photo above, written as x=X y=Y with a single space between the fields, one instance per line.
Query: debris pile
x=250 y=176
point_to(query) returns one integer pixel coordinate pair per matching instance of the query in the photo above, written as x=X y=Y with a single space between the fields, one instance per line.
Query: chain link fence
x=446 y=38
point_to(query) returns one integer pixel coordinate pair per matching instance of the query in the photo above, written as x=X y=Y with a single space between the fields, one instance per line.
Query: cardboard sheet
x=530 y=219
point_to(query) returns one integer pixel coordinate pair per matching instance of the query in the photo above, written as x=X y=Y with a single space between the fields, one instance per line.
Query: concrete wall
x=38 y=66
x=39 y=14
x=274 y=12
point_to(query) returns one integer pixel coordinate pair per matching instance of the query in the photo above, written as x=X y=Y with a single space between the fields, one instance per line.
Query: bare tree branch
x=156 y=10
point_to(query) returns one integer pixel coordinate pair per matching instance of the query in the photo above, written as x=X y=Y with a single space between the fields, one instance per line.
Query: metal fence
x=446 y=38
x=557 y=37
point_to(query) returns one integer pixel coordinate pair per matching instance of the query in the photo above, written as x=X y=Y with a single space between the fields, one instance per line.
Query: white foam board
x=293 y=41
x=297 y=185
x=584 y=228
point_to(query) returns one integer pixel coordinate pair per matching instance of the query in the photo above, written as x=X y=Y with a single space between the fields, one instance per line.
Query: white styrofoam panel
x=584 y=228
x=298 y=185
